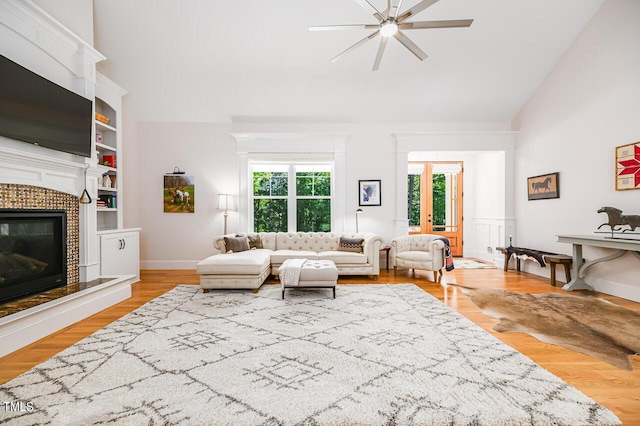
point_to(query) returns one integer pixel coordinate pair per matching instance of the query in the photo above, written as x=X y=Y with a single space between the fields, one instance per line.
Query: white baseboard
x=169 y=264
x=25 y=327
x=623 y=290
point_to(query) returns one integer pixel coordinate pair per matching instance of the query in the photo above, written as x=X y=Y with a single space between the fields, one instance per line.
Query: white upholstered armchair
x=419 y=251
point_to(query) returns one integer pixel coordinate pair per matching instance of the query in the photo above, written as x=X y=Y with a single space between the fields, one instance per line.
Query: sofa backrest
x=314 y=241
x=414 y=242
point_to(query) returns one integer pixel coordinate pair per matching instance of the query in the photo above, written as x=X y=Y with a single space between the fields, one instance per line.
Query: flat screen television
x=38 y=111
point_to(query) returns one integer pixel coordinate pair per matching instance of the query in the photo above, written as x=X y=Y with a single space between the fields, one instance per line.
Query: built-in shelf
x=100 y=125
x=101 y=146
x=107 y=189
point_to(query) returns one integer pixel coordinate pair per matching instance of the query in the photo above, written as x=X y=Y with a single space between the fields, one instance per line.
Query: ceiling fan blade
x=345 y=27
x=355 y=46
x=394 y=8
x=413 y=48
x=370 y=9
x=416 y=9
x=436 y=24
x=383 y=44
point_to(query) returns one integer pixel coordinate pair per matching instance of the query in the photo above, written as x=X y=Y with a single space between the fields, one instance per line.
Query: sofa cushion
x=279 y=256
x=414 y=256
x=351 y=244
x=249 y=262
x=236 y=244
x=343 y=257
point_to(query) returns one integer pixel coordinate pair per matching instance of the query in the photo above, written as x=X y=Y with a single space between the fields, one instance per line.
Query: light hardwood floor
x=615 y=389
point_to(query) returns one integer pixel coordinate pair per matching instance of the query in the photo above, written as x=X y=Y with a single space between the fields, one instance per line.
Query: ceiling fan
x=390 y=23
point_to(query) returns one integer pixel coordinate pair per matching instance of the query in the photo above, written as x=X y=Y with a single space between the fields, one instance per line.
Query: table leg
x=577 y=283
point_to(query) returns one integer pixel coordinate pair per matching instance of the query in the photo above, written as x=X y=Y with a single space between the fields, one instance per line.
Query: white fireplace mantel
x=34 y=39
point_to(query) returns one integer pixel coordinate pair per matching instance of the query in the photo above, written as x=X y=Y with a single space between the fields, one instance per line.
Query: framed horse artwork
x=179 y=193
x=543 y=187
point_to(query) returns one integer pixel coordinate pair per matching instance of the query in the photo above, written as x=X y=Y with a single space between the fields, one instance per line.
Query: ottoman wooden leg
x=205 y=290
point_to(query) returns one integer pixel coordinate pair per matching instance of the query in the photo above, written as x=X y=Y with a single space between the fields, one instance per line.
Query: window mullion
x=291 y=199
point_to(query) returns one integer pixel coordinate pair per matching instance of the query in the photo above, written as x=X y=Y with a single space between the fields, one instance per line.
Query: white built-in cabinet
x=119 y=248
x=120 y=253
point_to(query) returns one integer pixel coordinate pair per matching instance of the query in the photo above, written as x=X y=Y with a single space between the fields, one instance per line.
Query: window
x=291 y=197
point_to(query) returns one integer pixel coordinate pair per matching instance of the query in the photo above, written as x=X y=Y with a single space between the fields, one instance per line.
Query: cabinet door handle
x=120 y=244
x=124 y=243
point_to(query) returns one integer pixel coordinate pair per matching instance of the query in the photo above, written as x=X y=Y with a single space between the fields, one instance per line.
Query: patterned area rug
x=377 y=354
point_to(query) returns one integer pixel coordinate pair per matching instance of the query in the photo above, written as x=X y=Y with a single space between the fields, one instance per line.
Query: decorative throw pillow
x=236 y=244
x=254 y=240
x=351 y=244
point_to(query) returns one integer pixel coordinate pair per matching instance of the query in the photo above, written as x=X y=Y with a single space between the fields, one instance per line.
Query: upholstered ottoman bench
x=313 y=274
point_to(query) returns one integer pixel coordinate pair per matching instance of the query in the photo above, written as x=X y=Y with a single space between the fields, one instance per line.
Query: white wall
x=206 y=151
x=586 y=107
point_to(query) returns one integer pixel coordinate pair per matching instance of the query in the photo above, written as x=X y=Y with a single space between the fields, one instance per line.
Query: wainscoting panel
x=491 y=233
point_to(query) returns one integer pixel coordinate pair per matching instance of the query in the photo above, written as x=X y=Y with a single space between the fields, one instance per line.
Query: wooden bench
x=543 y=258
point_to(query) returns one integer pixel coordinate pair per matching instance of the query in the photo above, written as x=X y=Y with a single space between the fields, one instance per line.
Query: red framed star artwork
x=628 y=167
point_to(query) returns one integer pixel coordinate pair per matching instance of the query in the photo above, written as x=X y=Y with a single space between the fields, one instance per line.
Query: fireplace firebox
x=33 y=252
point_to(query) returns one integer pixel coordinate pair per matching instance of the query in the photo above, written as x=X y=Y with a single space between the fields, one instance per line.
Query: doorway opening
x=435 y=200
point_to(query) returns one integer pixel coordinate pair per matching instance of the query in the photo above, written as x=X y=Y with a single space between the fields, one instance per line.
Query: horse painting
x=537 y=186
x=616 y=218
x=543 y=187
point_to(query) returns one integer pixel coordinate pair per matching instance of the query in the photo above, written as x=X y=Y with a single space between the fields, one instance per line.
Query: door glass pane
x=413 y=201
x=439 y=202
x=444 y=197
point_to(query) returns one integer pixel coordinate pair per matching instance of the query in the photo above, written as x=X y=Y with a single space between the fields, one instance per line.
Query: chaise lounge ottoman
x=247 y=269
x=314 y=274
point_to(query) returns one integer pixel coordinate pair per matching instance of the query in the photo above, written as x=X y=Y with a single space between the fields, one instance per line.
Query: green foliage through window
x=270 y=215
x=414 y=200
x=439 y=201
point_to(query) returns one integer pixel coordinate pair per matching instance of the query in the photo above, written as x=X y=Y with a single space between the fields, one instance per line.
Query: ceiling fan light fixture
x=388 y=28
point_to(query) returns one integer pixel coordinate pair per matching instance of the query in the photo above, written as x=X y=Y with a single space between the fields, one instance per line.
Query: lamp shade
x=225 y=202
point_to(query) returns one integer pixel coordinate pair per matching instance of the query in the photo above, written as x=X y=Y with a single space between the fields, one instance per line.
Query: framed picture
x=628 y=167
x=370 y=194
x=179 y=193
x=543 y=187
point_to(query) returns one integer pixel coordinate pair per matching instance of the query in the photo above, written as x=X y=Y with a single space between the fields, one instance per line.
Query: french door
x=435 y=200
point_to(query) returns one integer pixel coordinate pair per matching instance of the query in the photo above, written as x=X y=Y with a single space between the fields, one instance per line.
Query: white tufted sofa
x=249 y=269
x=419 y=251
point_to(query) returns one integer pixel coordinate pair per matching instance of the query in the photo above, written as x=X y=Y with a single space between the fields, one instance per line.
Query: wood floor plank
x=616 y=389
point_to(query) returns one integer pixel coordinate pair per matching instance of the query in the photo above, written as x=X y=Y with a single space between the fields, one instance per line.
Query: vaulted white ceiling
x=245 y=60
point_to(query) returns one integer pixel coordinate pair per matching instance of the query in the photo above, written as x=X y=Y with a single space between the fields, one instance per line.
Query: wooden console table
x=580 y=267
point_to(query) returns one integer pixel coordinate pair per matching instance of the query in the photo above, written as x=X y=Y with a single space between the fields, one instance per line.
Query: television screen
x=36 y=110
